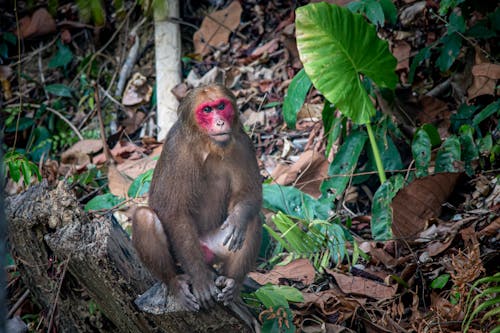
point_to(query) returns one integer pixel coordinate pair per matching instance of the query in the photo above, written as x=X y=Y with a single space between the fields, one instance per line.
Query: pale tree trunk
x=168 y=65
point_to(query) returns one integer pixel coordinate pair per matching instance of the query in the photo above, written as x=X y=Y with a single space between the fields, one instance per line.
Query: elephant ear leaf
x=337 y=49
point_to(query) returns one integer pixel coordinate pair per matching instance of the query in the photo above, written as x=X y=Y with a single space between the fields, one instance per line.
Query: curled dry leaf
x=485 y=76
x=299 y=270
x=414 y=205
x=5 y=72
x=137 y=91
x=79 y=153
x=309 y=170
x=38 y=24
x=216 y=28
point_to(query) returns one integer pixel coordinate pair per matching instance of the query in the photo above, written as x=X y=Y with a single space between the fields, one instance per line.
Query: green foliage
x=421 y=149
x=344 y=163
x=295 y=97
x=103 y=202
x=448 y=155
x=295 y=203
x=377 y=11
x=59 y=89
x=322 y=242
x=440 y=282
x=140 y=185
x=19 y=166
x=62 y=58
x=92 y=11
x=336 y=48
x=382 y=210
x=6 y=38
x=489 y=299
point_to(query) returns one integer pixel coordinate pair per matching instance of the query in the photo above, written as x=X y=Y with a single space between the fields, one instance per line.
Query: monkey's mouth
x=221 y=137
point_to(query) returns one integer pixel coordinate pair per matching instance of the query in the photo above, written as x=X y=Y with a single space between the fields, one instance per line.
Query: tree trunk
x=72 y=261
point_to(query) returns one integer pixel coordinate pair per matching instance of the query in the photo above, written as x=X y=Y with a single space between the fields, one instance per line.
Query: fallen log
x=83 y=271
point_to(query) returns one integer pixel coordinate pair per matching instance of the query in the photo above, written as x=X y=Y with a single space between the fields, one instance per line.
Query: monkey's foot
x=228 y=288
x=158 y=300
x=184 y=295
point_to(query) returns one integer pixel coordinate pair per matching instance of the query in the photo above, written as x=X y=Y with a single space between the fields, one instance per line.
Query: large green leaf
x=381 y=208
x=336 y=48
x=295 y=97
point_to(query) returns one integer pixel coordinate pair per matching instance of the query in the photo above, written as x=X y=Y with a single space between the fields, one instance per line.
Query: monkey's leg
x=151 y=243
x=237 y=264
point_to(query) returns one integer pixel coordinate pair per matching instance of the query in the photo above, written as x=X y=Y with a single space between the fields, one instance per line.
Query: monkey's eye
x=221 y=106
x=207 y=109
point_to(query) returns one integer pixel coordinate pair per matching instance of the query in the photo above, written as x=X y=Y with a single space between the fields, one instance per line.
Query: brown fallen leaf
x=310 y=169
x=38 y=24
x=401 y=51
x=481 y=84
x=78 y=154
x=117 y=182
x=487 y=69
x=216 y=28
x=415 y=204
x=298 y=270
x=358 y=285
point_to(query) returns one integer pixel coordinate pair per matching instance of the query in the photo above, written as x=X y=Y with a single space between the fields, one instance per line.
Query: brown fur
x=198 y=185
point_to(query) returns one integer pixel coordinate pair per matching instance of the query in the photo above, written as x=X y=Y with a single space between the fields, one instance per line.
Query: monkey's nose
x=219 y=122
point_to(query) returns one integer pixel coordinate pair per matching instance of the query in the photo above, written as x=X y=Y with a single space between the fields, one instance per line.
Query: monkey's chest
x=213 y=198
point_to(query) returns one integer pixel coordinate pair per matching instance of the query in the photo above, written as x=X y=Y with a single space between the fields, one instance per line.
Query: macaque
x=204 y=203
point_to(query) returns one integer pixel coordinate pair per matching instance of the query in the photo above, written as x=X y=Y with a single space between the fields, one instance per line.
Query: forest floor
x=446 y=226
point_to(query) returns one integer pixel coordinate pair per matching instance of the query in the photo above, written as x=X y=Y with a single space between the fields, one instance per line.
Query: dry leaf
x=38 y=24
x=78 y=154
x=216 y=28
x=137 y=91
x=401 y=51
x=358 y=285
x=487 y=69
x=414 y=205
x=298 y=270
x=310 y=169
x=118 y=183
x=481 y=84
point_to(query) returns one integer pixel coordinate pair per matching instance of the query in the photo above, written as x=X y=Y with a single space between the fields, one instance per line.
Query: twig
x=107 y=152
x=131 y=58
x=57 y=113
x=18 y=303
x=56 y=296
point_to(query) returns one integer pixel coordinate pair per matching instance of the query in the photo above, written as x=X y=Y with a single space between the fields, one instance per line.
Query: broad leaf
x=294 y=202
x=469 y=150
x=486 y=113
x=63 y=56
x=421 y=149
x=337 y=47
x=448 y=155
x=449 y=52
x=102 y=202
x=344 y=164
x=59 y=89
x=295 y=96
x=381 y=209
x=140 y=185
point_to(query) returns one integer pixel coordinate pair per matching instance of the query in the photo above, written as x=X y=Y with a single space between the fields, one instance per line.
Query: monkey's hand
x=205 y=291
x=235 y=231
x=228 y=288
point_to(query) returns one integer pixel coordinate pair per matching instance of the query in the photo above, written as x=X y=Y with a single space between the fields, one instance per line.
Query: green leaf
x=26 y=170
x=295 y=97
x=449 y=52
x=469 y=150
x=278 y=296
x=140 y=185
x=4 y=51
x=391 y=159
x=456 y=23
x=390 y=11
x=374 y=12
x=294 y=202
x=336 y=47
x=448 y=155
x=433 y=134
x=24 y=123
x=446 y=5
x=59 y=89
x=14 y=169
x=9 y=37
x=487 y=112
x=103 y=202
x=440 y=282
x=485 y=144
x=381 y=208
x=344 y=163
x=463 y=116
x=422 y=55
x=421 y=150
x=62 y=58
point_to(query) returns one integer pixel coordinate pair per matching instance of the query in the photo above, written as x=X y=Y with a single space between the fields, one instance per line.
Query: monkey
x=204 y=203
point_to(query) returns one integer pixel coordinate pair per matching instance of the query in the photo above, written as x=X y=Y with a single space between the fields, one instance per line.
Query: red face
x=216 y=118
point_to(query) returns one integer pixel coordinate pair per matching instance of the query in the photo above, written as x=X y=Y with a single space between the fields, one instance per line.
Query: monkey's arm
x=246 y=199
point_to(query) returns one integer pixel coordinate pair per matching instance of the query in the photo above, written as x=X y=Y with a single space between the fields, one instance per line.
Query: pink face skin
x=216 y=118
